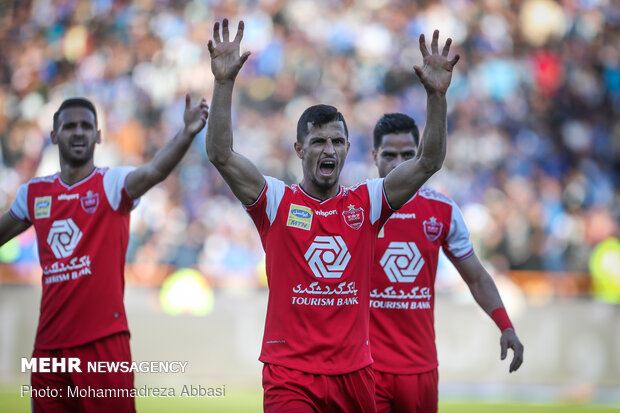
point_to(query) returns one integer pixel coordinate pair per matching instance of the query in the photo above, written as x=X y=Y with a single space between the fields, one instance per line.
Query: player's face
x=76 y=136
x=322 y=154
x=395 y=149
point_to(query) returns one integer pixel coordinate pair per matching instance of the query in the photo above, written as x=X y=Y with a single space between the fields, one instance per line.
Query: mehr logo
x=299 y=217
x=42 y=207
x=402 y=262
x=328 y=256
x=63 y=237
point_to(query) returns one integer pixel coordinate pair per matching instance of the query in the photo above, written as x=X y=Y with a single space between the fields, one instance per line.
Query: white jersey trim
x=376 y=194
x=114 y=183
x=275 y=193
x=19 y=208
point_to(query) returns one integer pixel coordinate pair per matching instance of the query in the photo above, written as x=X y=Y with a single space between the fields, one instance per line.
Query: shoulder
x=430 y=194
x=44 y=179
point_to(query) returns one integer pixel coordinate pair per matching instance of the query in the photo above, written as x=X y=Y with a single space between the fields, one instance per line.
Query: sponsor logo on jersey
x=68 y=197
x=42 y=207
x=402 y=262
x=398 y=215
x=326 y=213
x=90 y=202
x=354 y=217
x=328 y=256
x=432 y=229
x=299 y=217
x=63 y=237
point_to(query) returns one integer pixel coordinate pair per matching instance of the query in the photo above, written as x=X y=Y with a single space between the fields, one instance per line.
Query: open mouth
x=327 y=167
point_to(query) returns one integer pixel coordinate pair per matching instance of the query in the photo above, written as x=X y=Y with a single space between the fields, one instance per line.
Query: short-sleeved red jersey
x=402 y=296
x=319 y=256
x=82 y=235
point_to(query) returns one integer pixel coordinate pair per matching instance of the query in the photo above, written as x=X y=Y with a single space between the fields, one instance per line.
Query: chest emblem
x=90 y=202
x=353 y=217
x=432 y=228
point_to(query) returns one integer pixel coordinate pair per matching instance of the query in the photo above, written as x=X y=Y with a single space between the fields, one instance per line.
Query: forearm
x=432 y=150
x=219 y=128
x=486 y=294
x=169 y=156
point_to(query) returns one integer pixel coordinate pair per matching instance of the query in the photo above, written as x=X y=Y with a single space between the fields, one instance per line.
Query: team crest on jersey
x=90 y=202
x=299 y=217
x=353 y=217
x=432 y=229
x=42 y=207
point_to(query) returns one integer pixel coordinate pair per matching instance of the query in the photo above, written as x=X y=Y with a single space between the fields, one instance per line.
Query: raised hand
x=195 y=117
x=225 y=59
x=436 y=73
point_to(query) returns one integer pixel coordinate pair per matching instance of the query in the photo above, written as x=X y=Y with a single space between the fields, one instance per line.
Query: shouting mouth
x=327 y=167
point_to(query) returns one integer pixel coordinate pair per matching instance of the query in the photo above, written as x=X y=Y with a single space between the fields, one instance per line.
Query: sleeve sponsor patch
x=299 y=217
x=42 y=207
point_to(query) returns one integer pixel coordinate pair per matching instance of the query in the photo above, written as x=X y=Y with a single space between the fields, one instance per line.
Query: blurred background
x=533 y=161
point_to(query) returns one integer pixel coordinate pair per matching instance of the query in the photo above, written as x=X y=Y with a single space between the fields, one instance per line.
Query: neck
x=72 y=174
x=318 y=192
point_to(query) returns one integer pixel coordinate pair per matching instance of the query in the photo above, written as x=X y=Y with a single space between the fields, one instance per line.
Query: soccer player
x=402 y=297
x=81 y=219
x=319 y=238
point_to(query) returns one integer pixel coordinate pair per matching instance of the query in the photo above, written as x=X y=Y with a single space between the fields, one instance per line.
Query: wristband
x=500 y=317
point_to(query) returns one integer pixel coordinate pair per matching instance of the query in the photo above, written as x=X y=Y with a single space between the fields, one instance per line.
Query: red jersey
x=402 y=297
x=82 y=235
x=318 y=256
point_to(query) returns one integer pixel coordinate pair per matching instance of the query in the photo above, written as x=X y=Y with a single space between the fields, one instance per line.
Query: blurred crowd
x=534 y=112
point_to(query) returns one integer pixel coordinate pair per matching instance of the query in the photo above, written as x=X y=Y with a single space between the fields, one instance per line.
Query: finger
x=188 y=101
x=418 y=72
x=435 y=42
x=216 y=33
x=446 y=48
x=423 y=48
x=244 y=57
x=455 y=60
x=504 y=349
x=225 y=33
x=210 y=47
x=239 y=34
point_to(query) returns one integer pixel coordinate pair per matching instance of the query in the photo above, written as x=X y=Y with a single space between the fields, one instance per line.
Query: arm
x=404 y=181
x=486 y=295
x=148 y=175
x=241 y=175
x=10 y=228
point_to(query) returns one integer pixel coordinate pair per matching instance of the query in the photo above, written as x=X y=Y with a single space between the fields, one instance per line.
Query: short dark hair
x=318 y=115
x=71 y=103
x=395 y=123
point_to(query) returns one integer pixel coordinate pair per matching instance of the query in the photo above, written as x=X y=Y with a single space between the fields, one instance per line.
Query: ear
x=374 y=156
x=299 y=150
x=53 y=137
x=98 y=136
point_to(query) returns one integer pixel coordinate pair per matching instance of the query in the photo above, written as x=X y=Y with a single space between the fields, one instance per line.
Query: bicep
x=10 y=227
x=243 y=178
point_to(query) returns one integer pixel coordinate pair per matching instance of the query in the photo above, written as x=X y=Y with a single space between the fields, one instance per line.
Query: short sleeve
x=265 y=209
x=457 y=245
x=380 y=209
x=19 y=208
x=114 y=184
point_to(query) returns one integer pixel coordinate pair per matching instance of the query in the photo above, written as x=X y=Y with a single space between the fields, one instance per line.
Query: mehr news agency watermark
x=74 y=365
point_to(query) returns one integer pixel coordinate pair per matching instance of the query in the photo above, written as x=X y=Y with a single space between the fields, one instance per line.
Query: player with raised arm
x=81 y=219
x=402 y=297
x=319 y=238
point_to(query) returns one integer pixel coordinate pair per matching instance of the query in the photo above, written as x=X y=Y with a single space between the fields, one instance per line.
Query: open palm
x=225 y=59
x=436 y=72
